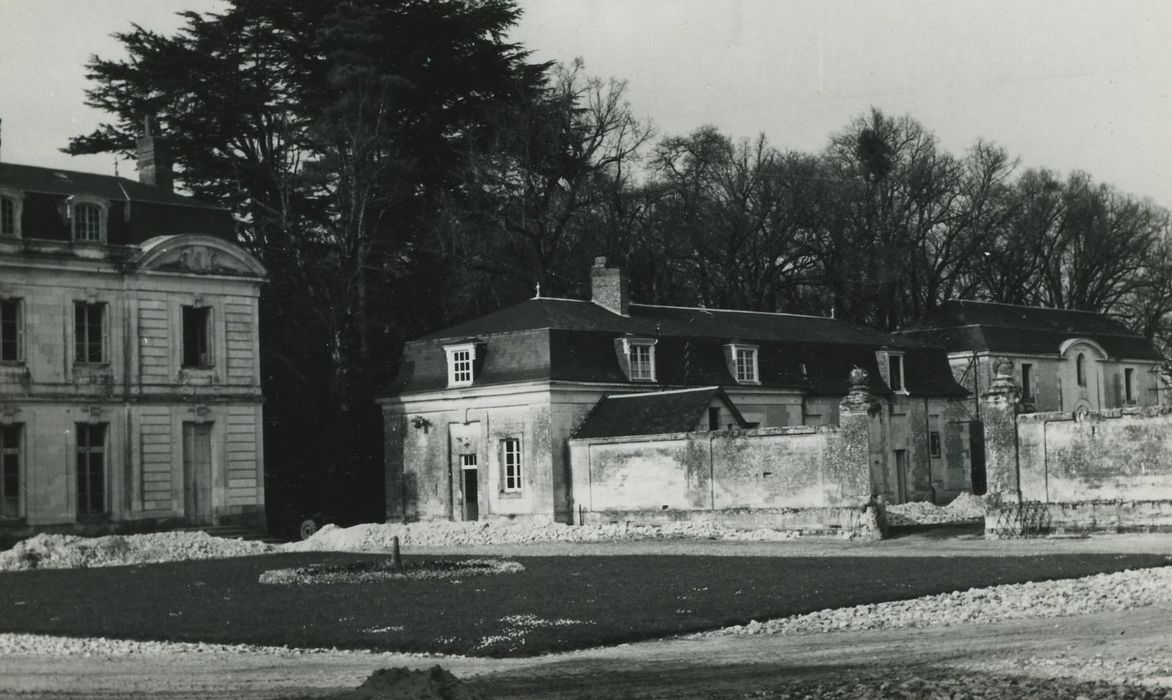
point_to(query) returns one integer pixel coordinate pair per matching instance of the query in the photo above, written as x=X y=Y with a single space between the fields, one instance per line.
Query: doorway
x=901 y=475
x=197 y=473
x=470 y=481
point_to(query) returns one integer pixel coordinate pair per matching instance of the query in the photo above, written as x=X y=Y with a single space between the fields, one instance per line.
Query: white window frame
x=461 y=364
x=747 y=372
x=16 y=200
x=512 y=463
x=76 y=202
x=104 y=320
x=640 y=372
x=19 y=303
x=897 y=358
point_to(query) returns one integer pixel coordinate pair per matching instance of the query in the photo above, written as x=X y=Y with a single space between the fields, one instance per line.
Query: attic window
x=742 y=363
x=88 y=217
x=895 y=372
x=10 y=206
x=461 y=364
x=642 y=357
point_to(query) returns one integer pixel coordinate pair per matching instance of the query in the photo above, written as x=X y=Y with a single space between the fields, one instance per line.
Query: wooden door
x=197 y=473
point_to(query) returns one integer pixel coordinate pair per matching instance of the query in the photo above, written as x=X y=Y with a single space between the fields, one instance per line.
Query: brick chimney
x=154 y=160
x=608 y=287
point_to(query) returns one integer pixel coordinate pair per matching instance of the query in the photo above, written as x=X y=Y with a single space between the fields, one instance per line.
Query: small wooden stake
x=396 y=558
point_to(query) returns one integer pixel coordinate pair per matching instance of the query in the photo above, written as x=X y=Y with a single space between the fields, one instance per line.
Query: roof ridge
x=742 y=311
x=1027 y=306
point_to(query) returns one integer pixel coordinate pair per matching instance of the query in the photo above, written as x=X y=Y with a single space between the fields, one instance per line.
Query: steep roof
x=964 y=325
x=656 y=413
x=31 y=178
x=673 y=321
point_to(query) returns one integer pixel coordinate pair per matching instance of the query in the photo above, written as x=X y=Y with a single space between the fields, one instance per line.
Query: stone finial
x=859 y=397
x=1003 y=386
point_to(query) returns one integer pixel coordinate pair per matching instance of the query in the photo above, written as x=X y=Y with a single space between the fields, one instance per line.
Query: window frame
x=83 y=340
x=641 y=371
x=12 y=469
x=895 y=359
x=17 y=342
x=747 y=371
x=934 y=444
x=207 y=360
x=461 y=362
x=79 y=203
x=84 y=455
x=1129 y=385
x=15 y=201
x=1080 y=370
x=512 y=463
x=1027 y=382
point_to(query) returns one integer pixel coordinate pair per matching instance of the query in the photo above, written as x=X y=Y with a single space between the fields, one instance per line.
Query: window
x=91 y=468
x=1129 y=385
x=1027 y=382
x=11 y=331
x=10 y=215
x=895 y=372
x=511 y=464
x=10 y=470
x=934 y=444
x=742 y=362
x=714 y=418
x=89 y=222
x=1080 y=369
x=196 y=331
x=642 y=358
x=461 y=364
x=89 y=321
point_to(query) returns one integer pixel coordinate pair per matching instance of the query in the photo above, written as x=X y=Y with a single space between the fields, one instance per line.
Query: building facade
x=479 y=421
x=129 y=362
x=1064 y=360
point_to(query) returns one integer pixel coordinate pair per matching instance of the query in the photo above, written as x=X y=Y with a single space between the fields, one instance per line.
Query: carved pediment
x=193 y=254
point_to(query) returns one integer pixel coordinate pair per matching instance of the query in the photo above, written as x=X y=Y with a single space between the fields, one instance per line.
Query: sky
x=1063 y=84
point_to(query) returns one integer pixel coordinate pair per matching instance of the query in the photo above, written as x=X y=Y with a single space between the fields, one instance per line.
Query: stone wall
x=790 y=478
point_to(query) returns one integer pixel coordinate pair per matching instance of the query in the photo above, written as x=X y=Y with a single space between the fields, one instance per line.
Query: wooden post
x=396 y=558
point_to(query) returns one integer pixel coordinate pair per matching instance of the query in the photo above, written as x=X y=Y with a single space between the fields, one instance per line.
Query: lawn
x=556 y=603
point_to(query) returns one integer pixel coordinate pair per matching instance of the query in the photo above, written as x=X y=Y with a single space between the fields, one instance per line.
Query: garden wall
x=806 y=478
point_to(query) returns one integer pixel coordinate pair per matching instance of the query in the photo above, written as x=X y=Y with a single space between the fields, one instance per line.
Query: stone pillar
x=851 y=463
x=1002 y=475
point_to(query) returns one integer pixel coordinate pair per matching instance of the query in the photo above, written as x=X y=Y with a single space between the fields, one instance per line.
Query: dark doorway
x=471 y=496
x=977 y=457
x=197 y=473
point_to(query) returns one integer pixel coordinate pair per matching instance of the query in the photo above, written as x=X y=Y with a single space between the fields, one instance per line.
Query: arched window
x=1080 y=369
x=89 y=222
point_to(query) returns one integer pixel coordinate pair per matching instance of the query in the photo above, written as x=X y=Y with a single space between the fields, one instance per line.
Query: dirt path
x=1126 y=646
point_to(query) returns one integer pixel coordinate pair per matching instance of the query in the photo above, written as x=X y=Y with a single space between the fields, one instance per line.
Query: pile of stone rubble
x=46 y=551
x=1124 y=590
x=964 y=507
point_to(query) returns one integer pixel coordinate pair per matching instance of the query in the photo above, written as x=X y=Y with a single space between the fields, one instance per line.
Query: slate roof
x=30 y=178
x=562 y=339
x=964 y=325
x=654 y=413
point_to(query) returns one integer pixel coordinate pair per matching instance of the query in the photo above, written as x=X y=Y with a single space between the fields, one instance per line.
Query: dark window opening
x=91 y=468
x=11 y=329
x=895 y=365
x=1080 y=369
x=934 y=444
x=7 y=217
x=89 y=332
x=1129 y=385
x=196 y=346
x=10 y=471
x=1027 y=380
x=714 y=418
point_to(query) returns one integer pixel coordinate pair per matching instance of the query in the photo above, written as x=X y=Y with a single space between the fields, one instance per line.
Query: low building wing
x=658 y=413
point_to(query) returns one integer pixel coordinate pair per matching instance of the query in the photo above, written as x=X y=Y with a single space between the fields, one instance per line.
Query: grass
x=556 y=603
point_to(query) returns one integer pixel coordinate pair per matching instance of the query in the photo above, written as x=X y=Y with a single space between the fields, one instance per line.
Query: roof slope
x=673 y=321
x=31 y=178
x=653 y=413
x=964 y=325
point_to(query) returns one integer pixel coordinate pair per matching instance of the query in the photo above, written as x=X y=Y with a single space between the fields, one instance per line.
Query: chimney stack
x=608 y=287
x=154 y=160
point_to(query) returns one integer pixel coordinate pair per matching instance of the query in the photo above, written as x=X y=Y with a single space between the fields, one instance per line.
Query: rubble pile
x=1124 y=590
x=46 y=551
x=965 y=507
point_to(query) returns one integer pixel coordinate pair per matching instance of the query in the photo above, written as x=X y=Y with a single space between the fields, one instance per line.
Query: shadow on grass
x=557 y=603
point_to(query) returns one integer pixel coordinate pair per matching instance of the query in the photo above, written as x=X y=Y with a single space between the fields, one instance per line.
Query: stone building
x=1064 y=360
x=478 y=422
x=129 y=365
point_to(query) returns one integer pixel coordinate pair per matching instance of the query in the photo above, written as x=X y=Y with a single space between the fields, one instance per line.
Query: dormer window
x=636 y=357
x=742 y=363
x=895 y=374
x=461 y=364
x=88 y=219
x=10 y=210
